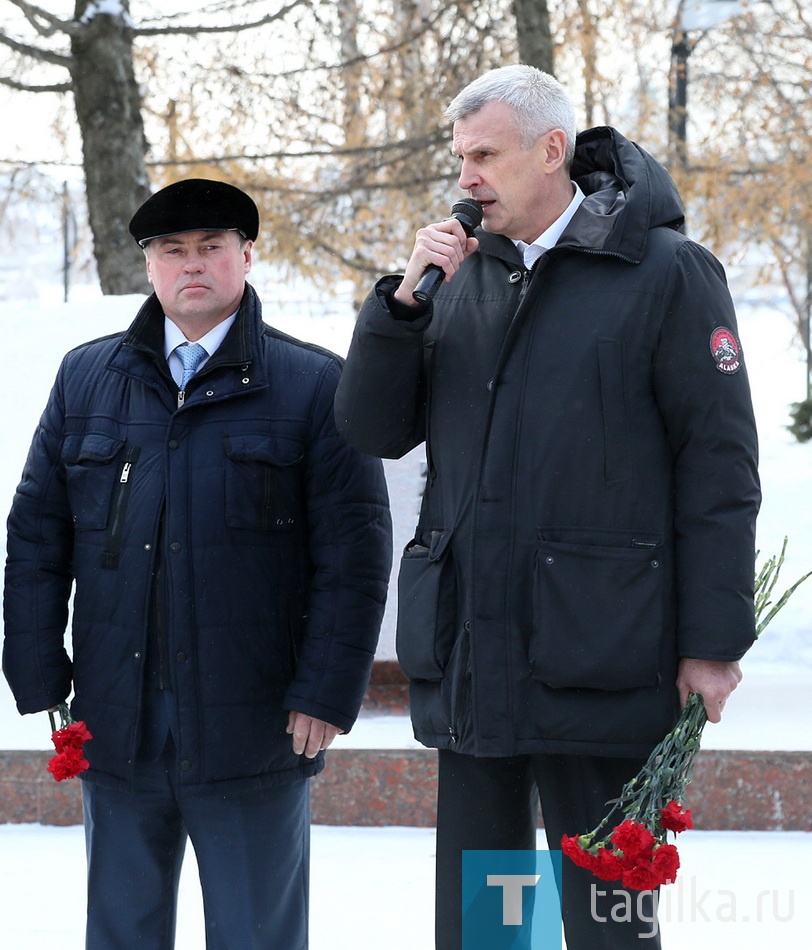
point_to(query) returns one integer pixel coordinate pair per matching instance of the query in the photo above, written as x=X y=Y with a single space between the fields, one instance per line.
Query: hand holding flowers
x=635 y=851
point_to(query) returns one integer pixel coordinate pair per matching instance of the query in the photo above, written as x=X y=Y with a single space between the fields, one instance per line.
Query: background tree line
x=330 y=113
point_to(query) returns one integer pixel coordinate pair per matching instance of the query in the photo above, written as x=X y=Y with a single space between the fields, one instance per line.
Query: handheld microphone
x=469 y=213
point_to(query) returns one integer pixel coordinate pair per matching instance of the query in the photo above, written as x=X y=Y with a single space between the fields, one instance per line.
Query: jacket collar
x=146 y=332
x=240 y=348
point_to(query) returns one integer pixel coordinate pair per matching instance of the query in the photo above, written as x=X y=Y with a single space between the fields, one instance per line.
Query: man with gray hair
x=584 y=557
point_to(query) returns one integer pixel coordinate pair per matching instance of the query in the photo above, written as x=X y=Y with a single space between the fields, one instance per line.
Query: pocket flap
x=91 y=447
x=273 y=449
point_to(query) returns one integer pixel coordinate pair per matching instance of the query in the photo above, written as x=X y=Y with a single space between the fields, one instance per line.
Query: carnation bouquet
x=629 y=844
x=69 y=740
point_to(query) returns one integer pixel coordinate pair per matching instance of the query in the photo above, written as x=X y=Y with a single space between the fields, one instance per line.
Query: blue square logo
x=511 y=900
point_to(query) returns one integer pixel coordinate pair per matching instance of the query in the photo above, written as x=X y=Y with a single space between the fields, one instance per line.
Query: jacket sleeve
x=350 y=544
x=380 y=405
x=39 y=572
x=705 y=402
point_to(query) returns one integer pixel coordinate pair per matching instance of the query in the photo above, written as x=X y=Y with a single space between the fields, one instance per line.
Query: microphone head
x=469 y=213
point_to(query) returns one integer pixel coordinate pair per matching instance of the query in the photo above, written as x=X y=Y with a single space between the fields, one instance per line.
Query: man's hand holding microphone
x=439 y=250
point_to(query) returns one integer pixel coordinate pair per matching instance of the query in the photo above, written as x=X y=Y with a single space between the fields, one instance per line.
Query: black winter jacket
x=276 y=552
x=592 y=489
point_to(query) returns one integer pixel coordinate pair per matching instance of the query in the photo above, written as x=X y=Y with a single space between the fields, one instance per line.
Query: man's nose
x=468 y=177
x=194 y=263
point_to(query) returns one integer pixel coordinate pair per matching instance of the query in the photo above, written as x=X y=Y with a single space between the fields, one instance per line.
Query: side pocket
x=597 y=616
x=427 y=607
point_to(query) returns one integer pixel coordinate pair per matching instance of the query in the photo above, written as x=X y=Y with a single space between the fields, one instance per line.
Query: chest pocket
x=264 y=483
x=92 y=472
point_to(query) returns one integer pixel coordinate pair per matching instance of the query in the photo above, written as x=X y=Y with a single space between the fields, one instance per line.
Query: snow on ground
x=373 y=888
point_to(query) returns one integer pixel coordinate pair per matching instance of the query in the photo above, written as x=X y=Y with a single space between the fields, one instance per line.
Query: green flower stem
x=65 y=718
x=765 y=582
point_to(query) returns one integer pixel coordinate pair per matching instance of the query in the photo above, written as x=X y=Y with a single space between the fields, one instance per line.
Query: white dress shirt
x=173 y=338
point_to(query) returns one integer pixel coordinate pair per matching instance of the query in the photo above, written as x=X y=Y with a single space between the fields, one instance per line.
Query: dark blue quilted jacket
x=274 y=537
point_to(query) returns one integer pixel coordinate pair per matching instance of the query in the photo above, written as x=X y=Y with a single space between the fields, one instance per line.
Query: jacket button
x=655 y=563
x=175 y=547
x=173 y=443
x=491 y=384
x=181 y=657
x=136 y=655
x=549 y=559
x=185 y=765
x=515 y=277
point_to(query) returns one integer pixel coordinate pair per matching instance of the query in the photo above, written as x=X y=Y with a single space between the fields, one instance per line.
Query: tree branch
x=34 y=52
x=24 y=87
x=414 y=144
x=230 y=28
x=35 y=15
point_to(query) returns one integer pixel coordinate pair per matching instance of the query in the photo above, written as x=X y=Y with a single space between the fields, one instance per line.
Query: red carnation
x=608 y=867
x=641 y=878
x=635 y=841
x=67 y=764
x=675 y=818
x=69 y=742
x=666 y=863
x=73 y=736
x=574 y=849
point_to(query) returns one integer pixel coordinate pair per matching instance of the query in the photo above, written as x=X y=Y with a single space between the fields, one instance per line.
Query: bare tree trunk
x=589 y=30
x=533 y=32
x=108 y=110
x=352 y=75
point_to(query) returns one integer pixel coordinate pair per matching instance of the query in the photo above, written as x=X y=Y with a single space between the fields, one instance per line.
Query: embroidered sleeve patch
x=724 y=348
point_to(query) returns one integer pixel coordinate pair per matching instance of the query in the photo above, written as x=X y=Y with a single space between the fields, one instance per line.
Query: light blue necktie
x=190 y=355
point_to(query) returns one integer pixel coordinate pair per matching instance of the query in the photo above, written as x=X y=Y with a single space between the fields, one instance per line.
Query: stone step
x=731 y=791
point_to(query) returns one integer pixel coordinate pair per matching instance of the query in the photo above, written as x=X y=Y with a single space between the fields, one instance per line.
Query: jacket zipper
x=118 y=507
x=461 y=691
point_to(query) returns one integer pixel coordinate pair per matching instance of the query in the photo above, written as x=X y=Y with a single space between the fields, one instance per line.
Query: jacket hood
x=628 y=193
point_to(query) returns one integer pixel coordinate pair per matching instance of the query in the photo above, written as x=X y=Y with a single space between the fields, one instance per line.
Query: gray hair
x=540 y=102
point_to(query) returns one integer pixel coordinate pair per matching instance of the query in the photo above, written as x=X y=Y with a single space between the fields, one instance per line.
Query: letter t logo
x=512 y=885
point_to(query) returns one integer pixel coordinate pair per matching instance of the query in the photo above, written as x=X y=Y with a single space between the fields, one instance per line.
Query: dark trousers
x=492 y=804
x=252 y=849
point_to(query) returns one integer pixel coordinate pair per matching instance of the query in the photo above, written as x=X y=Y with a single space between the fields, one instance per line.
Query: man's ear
x=556 y=147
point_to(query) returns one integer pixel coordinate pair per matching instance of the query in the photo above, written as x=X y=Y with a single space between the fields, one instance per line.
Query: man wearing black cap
x=230 y=555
